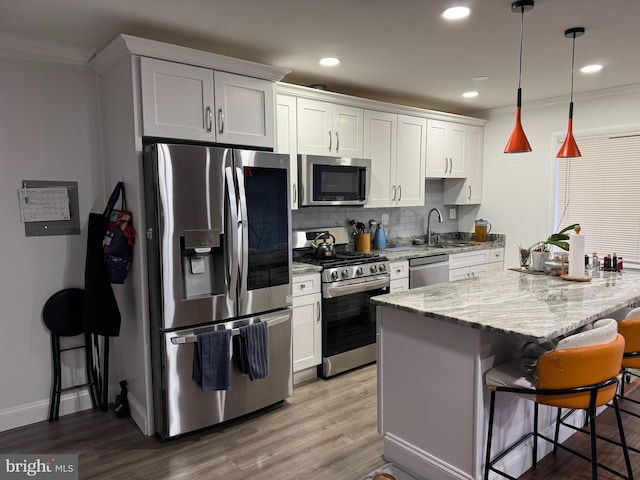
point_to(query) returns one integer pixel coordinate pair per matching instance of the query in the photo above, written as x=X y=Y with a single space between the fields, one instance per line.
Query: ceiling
x=395 y=50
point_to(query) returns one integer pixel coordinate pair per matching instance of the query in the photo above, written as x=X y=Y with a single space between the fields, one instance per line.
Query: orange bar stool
x=581 y=373
x=629 y=328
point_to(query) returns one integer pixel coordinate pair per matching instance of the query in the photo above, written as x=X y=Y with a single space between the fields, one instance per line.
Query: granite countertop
x=416 y=251
x=527 y=307
x=407 y=252
x=298 y=268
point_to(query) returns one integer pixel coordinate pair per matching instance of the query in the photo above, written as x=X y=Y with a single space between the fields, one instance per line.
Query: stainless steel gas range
x=349 y=280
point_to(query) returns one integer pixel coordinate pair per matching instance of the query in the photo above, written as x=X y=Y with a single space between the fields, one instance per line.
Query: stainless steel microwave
x=327 y=180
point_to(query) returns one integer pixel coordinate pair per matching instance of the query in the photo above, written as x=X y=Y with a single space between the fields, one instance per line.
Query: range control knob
x=359 y=271
x=334 y=275
x=382 y=267
x=374 y=268
x=344 y=273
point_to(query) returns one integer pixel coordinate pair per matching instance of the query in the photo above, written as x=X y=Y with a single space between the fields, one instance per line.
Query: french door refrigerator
x=219 y=257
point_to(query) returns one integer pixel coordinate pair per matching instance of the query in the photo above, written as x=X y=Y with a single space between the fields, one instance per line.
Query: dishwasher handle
x=438 y=258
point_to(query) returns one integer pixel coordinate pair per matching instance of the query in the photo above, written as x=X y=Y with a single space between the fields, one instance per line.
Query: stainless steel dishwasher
x=428 y=270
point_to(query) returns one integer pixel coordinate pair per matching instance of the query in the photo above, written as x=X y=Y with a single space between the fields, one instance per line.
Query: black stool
x=62 y=314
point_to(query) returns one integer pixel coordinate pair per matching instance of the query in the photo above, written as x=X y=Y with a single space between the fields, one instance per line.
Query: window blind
x=601 y=192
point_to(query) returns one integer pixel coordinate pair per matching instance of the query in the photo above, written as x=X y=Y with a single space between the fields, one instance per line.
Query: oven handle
x=330 y=291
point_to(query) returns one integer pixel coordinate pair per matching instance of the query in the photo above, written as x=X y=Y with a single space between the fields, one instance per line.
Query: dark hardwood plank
x=327 y=429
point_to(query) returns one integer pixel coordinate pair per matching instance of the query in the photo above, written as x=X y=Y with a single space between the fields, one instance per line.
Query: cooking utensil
x=361 y=227
x=352 y=222
x=325 y=249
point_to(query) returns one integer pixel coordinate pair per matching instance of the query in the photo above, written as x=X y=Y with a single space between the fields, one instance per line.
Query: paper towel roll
x=576 y=255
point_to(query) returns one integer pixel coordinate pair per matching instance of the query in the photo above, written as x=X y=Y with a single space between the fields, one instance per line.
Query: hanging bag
x=119 y=238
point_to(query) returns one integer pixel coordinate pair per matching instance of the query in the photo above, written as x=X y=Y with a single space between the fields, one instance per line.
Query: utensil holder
x=363 y=242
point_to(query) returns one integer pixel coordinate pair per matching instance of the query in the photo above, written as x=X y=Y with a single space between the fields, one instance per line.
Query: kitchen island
x=436 y=343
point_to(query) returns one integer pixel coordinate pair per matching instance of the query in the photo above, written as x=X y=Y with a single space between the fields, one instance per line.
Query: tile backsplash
x=403 y=221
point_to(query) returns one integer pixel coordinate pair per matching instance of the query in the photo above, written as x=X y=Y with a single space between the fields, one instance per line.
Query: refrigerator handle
x=233 y=257
x=244 y=224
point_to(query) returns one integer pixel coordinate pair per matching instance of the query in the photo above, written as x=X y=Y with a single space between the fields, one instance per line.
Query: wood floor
x=327 y=429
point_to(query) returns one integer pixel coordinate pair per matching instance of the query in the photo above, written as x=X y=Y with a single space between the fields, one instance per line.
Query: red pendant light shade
x=518 y=142
x=569 y=148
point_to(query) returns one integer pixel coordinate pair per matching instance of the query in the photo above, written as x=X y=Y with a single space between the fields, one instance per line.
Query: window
x=601 y=192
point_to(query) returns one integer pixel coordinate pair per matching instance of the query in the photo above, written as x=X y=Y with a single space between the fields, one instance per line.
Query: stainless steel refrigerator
x=219 y=257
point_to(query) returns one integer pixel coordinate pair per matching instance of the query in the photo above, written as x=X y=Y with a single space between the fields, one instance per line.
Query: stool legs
x=54 y=404
x=56 y=384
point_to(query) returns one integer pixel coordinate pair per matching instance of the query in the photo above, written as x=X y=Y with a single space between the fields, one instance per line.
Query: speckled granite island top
x=528 y=307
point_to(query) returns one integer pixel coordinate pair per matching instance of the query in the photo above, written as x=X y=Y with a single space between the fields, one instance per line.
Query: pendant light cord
x=573 y=61
x=521 y=36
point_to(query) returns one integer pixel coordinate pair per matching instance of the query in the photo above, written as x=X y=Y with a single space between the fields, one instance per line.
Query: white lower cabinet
x=469 y=264
x=399 y=276
x=496 y=262
x=307 y=324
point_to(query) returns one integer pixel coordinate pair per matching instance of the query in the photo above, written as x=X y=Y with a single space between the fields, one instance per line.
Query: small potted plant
x=540 y=250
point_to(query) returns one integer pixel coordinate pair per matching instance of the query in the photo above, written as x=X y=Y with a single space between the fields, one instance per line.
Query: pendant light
x=518 y=140
x=569 y=148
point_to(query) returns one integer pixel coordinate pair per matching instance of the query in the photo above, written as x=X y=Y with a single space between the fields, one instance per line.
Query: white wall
x=518 y=189
x=48 y=131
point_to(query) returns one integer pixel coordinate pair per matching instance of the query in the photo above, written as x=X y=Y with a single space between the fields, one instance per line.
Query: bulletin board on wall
x=49 y=207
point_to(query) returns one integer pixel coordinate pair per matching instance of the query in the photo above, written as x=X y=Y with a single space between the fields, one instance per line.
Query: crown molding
x=593 y=95
x=29 y=48
x=129 y=45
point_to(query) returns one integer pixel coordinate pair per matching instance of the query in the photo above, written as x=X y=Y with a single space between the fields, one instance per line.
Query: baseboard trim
x=38 y=411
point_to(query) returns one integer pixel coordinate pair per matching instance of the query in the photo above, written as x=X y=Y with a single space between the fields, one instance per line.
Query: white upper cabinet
x=445 y=149
x=177 y=100
x=244 y=110
x=468 y=191
x=396 y=145
x=380 y=145
x=410 y=167
x=286 y=140
x=195 y=103
x=329 y=129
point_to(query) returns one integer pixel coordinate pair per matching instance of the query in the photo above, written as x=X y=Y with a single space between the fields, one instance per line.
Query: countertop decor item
x=569 y=148
x=576 y=278
x=518 y=142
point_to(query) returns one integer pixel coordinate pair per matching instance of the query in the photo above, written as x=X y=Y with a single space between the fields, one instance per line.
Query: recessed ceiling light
x=329 y=61
x=456 y=13
x=591 y=69
x=480 y=78
x=470 y=94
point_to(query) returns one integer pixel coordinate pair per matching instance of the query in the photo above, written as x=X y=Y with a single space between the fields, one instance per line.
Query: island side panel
x=430 y=395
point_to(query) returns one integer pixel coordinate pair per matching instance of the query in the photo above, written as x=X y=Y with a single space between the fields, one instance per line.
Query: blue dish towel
x=211 y=360
x=252 y=350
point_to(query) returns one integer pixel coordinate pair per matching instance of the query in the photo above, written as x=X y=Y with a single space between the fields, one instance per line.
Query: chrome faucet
x=429 y=223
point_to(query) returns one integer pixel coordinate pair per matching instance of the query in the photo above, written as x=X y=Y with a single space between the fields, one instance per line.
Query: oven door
x=348 y=317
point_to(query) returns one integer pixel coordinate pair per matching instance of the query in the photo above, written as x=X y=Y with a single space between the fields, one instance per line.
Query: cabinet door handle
x=393 y=196
x=337 y=143
x=330 y=139
x=446 y=165
x=399 y=192
x=220 y=121
x=302 y=286
x=209 y=119
x=318 y=310
x=469 y=193
x=294 y=200
x=450 y=165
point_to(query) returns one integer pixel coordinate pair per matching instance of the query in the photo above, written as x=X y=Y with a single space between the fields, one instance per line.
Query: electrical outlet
x=384 y=219
x=452 y=214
